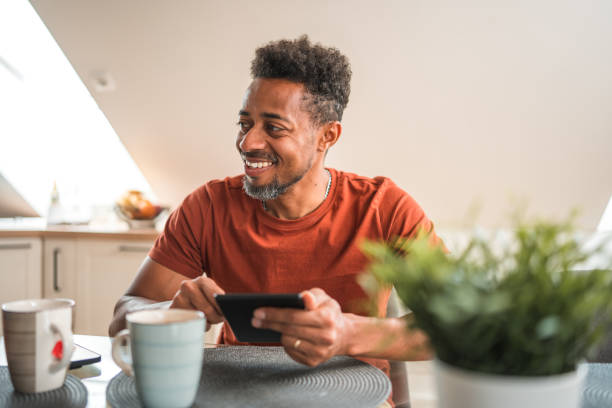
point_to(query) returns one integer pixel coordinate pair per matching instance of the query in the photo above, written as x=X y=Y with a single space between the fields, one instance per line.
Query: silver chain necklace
x=265 y=207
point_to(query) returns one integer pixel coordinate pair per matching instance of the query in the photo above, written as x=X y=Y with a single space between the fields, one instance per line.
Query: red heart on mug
x=58 y=350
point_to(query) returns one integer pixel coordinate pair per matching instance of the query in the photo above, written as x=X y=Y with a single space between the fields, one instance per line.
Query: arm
x=324 y=331
x=387 y=338
x=157 y=287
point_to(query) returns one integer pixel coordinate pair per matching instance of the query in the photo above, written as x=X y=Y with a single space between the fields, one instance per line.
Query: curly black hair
x=324 y=72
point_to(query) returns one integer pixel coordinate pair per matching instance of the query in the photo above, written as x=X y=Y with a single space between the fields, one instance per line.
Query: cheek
x=286 y=155
x=297 y=153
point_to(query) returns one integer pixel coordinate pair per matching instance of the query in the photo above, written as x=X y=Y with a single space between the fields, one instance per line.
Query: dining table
x=97 y=376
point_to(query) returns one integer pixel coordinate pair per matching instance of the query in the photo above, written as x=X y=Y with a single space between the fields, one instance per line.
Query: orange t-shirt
x=219 y=230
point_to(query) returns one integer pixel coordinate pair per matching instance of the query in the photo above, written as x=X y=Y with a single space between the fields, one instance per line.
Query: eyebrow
x=265 y=115
x=274 y=116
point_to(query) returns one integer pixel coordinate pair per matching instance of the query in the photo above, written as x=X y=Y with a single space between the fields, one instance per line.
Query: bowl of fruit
x=137 y=211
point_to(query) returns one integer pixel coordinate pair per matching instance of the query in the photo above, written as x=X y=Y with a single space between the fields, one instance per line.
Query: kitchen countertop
x=37 y=228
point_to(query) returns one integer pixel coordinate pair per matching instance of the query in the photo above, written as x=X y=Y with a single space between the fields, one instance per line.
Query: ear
x=330 y=134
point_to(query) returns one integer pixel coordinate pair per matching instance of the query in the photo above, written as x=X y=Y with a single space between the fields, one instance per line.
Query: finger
x=314 y=298
x=209 y=289
x=287 y=316
x=194 y=296
x=181 y=302
x=320 y=317
x=212 y=316
x=311 y=334
x=309 y=299
x=294 y=345
x=298 y=356
x=303 y=351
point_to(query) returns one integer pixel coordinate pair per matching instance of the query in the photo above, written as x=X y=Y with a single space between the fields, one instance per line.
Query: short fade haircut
x=324 y=72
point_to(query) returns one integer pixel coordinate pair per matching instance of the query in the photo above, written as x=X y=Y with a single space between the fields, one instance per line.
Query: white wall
x=459 y=102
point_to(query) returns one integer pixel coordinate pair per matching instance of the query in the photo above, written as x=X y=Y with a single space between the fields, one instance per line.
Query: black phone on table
x=83 y=356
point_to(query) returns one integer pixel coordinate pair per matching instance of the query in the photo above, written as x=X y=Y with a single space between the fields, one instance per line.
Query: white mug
x=163 y=350
x=38 y=342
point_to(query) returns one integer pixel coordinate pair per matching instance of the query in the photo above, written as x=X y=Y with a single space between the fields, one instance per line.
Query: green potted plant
x=509 y=328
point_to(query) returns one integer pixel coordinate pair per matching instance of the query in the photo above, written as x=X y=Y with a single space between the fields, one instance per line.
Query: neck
x=302 y=198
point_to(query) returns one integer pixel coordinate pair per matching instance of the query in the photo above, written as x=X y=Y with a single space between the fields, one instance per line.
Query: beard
x=273 y=190
x=269 y=191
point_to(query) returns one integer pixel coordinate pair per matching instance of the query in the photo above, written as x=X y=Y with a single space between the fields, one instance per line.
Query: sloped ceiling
x=461 y=103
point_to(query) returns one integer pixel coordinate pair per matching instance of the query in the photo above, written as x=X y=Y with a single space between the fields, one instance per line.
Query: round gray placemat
x=72 y=394
x=251 y=376
x=598 y=386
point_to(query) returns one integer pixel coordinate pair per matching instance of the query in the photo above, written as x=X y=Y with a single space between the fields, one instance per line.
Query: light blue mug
x=163 y=350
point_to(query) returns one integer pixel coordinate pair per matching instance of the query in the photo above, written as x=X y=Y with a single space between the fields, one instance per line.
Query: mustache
x=258 y=154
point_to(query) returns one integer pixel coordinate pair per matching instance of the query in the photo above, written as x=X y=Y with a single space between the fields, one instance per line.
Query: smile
x=257 y=165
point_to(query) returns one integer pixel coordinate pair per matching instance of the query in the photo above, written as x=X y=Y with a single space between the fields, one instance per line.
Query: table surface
x=96 y=376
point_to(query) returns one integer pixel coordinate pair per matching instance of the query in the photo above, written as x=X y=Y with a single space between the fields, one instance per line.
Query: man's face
x=276 y=139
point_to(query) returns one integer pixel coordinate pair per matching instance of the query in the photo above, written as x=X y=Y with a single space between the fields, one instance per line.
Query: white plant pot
x=459 y=388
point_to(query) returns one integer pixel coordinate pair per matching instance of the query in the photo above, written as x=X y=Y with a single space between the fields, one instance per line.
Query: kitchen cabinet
x=20 y=269
x=93 y=268
x=93 y=272
x=106 y=269
x=59 y=268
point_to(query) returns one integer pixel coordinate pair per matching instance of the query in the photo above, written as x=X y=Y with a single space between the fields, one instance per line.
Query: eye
x=274 y=128
x=244 y=126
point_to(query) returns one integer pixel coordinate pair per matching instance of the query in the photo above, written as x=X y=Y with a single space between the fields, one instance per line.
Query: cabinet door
x=59 y=269
x=20 y=269
x=106 y=269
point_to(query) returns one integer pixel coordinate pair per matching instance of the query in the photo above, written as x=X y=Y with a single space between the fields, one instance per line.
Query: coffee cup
x=38 y=342
x=163 y=350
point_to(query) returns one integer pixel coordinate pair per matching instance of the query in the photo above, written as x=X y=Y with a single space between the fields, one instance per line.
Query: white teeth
x=258 y=165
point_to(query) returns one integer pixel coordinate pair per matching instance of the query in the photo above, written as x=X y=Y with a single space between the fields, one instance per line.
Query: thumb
x=310 y=302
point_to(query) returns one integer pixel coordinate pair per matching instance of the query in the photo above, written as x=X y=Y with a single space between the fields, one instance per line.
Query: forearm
x=385 y=338
x=129 y=304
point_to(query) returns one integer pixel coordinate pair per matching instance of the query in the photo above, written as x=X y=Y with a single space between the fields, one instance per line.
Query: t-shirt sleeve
x=405 y=217
x=179 y=247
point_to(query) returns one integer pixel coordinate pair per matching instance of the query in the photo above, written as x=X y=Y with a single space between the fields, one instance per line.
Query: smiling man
x=288 y=224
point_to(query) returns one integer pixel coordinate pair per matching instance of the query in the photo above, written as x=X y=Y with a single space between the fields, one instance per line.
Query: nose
x=252 y=140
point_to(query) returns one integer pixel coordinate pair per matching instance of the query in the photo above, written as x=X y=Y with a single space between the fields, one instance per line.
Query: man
x=288 y=224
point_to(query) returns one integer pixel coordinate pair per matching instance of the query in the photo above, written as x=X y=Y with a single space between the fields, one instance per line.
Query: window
x=605 y=224
x=51 y=128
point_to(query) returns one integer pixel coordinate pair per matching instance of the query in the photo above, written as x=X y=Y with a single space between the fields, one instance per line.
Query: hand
x=310 y=336
x=199 y=294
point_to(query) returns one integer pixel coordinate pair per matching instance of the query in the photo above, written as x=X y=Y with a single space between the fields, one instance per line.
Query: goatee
x=269 y=191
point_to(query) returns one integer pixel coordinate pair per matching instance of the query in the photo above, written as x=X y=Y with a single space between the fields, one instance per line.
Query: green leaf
x=526 y=310
x=548 y=327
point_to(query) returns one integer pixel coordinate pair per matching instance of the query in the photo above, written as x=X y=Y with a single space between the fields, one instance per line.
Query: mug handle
x=121 y=352
x=67 y=348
